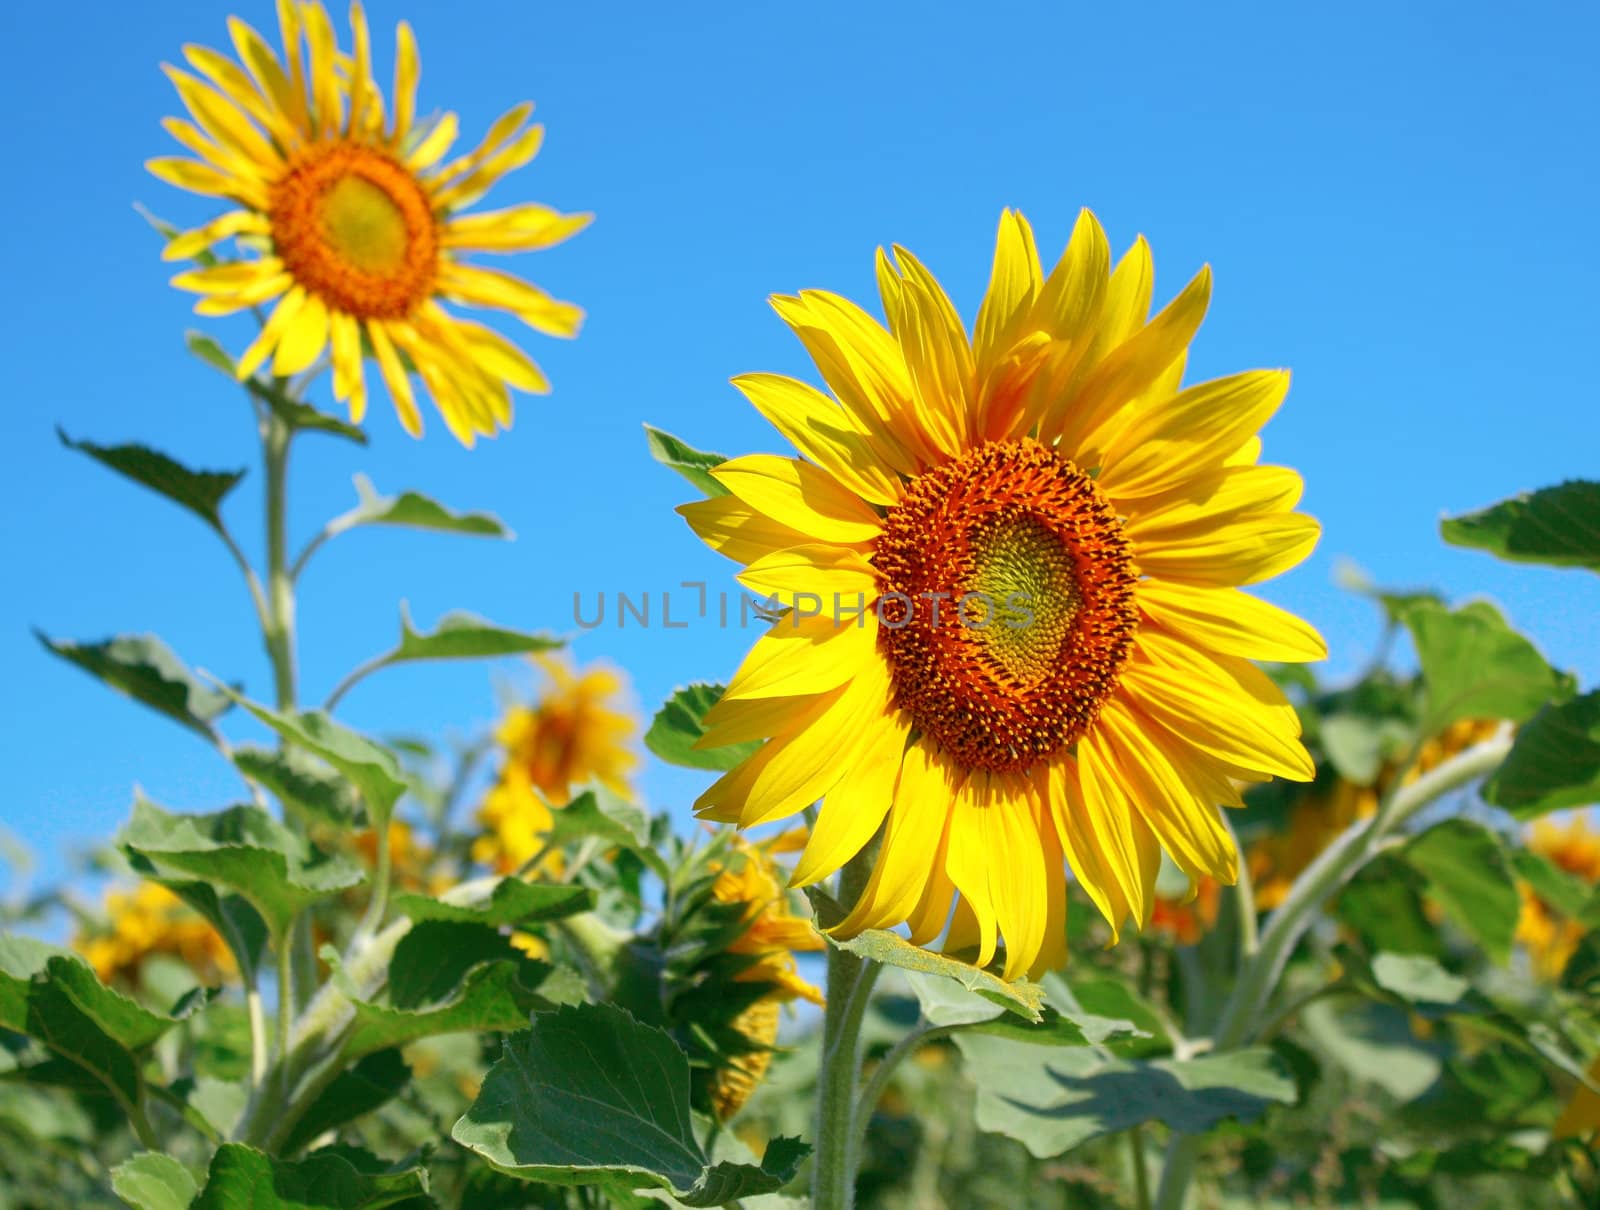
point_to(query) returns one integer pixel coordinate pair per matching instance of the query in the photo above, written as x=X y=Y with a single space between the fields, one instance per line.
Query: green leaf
x=1123 y=1021
x=1065 y=1020
x=1476 y=666
x=1565 y=892
x=302 y=416
x=879 y=945
x=1555 y=525
x=1418 y=980
x=373 y=769
x=679 y=725
x=461 y=636
x=447 y=977
x=153 y=1181
x=242 y=1178
x=201 y=492
x=358 y=1090
x=689 y=462
x=591 y=1096
x=304 y=784
x=145 y=668
x=416 y=511
x=244 y=849
x=1054 y=1099
x=51 y=994
x=1374 y=1043
x=232 y=915
x=1469 y=877
x=1383 y=905
x=609 y=817
x=1554 y=761
x=503 y=902
x=1358 y=745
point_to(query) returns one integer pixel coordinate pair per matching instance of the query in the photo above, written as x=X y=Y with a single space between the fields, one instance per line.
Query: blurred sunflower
x=152 y=920
x=360 y=221
x=410 y=857
x=1550 y=937
x=1276 y=860
x=576 y=732
x=1047 y=537
x=1185 y=920
x=772 y=935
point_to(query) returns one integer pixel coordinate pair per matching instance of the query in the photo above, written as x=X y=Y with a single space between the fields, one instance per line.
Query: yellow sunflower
x=773 y=935
x=1045 y=537
x=1550 y=937
x=576 y=732
x=358 y=215
x=152 y=920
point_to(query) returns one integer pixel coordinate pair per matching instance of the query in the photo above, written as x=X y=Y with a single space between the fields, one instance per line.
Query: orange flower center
x=1007 y=603
x=356 y=228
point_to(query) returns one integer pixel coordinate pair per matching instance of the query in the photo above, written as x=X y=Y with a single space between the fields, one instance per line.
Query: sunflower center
x=356 y=228
x=1007 y=603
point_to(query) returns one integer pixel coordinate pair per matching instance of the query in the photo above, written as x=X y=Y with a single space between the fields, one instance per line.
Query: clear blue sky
x=1399 y=203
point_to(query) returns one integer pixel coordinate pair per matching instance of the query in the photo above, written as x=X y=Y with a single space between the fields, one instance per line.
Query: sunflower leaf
x=1023 y=998
x=244 y=849
x=498 y=903
x=590 y=1096
x=147 y=670
x=369 y=766
x=689 y=462
x=462 y=636
x=1052 y=1099
x=302 y=782
x=1558 y=526
x=154 y=1181
x=233 y=916
x=416 y=511
x=300 y=415
x=241 y=1176
x=358 y=1090
x=1555 y=761
x=1475 y=666
x=1469 y=877
x=679 y=725
x=201 y=492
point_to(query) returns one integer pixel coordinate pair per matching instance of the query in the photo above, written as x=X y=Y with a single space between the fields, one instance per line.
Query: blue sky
x=1398 y=202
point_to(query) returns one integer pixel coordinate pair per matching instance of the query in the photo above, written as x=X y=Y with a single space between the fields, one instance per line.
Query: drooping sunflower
x=358 y=216
x=1032 y=650
x=576 y=731
x=150 y=920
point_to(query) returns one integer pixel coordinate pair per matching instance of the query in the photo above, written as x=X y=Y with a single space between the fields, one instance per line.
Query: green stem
x=372 y=921
x=148 y=1138
x=259 y=1057
x=850 y=981
x=1141 y=1173
x=285 y=1002
x=276 y=435
x=920 y=1036
x=1334 y=867
x=1244 y=898
x=375 y=664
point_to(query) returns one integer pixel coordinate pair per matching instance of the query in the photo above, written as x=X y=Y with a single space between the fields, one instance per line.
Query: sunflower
x=1029 y=545
x=151 y=920
x=772 y=936
x=1550 y=937
x=357 y=215
x=1187 y=918
x=576 y=732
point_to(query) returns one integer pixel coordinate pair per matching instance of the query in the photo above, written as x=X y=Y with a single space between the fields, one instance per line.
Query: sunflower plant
x=1034 y=863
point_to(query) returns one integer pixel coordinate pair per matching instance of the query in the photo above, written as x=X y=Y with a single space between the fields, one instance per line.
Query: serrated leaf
x=1554 y=761
x=154 y=1181
x=689 y=462
x=233 y=916
x=1469 y=877
x=244 y=849
x=300 y=415
x=1475 y=666
x=303 y=783
x=1054 y=1099
x=358 y=1090
x=415 y=511
x=242 y=1178
x=879 y=945
x=1064 y=1021
x=462 y=636
x=448 y=977
x=679 y=725
x=1559 y=526
x=372 y=768
x=591 y=1096
x=1111 y=1013
x=498 y=903
x=607 y=816
x=201 y=492
x=147 y=670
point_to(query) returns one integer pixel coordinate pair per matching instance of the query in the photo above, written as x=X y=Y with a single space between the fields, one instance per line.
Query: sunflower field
x=1024 y=855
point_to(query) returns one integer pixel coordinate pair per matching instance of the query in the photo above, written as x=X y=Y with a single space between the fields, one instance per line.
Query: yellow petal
x=199 y=178
x=303 y=339
x=1014 y=281
x=435 y=143
x=525 y=228
x=821 y=431
x=407 y=70
x=395 y=378
x=1231 y=622
x=825 y=576
x=802 y=496
x=1209 y=501
x=731 y=527
x=996 y=862
x=852 y=811
x=277 y=323
x=802 y=655
x=235 y=222
x=349 y=380
x=492 y=288
x=1245 y=551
